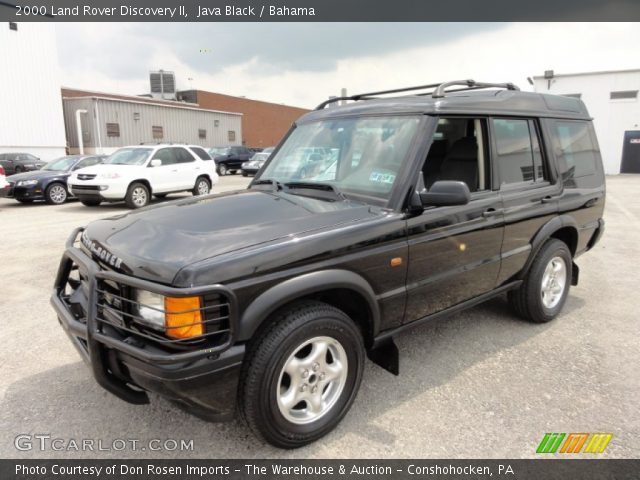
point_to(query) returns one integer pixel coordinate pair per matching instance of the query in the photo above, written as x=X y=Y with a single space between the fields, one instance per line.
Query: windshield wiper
x=268 y=181
x=324 y=187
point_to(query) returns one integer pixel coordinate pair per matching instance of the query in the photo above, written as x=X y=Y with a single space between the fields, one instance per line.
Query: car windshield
x=361 y=156
x=129 y=156
x=219 y=151
x=60 y=164
x=260 y=156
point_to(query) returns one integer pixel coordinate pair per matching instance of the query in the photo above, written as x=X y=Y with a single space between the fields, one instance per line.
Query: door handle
x=174 y=170
x=549 y=198
x=492 y=212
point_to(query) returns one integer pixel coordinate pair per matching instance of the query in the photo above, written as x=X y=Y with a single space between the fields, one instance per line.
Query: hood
x=105 y=168
x=157 y=242
x=35 y=175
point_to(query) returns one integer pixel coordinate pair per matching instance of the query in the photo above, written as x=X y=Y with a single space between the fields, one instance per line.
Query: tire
x=222 y=169
x=546 y=286
x=202 y=186
x=245 y=174
x=160 y=195
x=291 y=337
x=55 y=194
x=18 y=169
x=91 y=202
x=138 y=195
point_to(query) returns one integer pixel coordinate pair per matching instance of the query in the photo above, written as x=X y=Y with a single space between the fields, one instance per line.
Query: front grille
x=116 y=308
x=86 y=176
x=85 y=188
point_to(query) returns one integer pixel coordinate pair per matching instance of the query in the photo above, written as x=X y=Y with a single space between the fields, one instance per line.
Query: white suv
x=135 y=173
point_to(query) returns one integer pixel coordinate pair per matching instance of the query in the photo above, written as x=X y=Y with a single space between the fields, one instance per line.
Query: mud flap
x=387 y=356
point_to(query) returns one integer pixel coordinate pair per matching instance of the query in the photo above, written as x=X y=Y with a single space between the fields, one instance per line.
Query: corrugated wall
x=136 y=122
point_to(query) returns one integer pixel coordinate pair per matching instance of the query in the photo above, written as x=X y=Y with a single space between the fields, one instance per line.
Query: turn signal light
x=183 y=317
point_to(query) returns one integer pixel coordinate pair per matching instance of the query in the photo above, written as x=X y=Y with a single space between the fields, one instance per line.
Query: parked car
x=50 y=182
x=268 y=300
x=19 y=162
x=256 y=162
x=3 y=177
x=135 y=173
x=230 y=159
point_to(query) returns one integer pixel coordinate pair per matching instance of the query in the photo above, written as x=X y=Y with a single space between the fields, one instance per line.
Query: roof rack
x=439 y=90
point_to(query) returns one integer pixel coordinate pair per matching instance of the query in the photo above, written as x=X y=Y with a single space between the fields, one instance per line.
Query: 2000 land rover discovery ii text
x=268 y=299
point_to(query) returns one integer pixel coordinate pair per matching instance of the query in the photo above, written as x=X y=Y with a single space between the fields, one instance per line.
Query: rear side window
x=518 y=152
x=201 y=152
x=575 y=148
x=182 y=156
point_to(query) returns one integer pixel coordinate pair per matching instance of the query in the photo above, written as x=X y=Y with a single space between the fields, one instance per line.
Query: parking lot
x=478 y=384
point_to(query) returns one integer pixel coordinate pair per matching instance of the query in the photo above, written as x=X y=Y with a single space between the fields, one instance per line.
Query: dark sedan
x=50 y=182
x=20 y=162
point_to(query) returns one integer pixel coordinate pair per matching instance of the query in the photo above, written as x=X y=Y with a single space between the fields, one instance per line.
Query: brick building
x=263 y=123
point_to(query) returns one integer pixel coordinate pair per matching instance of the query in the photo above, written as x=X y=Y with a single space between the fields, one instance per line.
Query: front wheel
x=222 y=169
x=55 y=194
x=302 y=375
x=137 y=195
x=544 y=291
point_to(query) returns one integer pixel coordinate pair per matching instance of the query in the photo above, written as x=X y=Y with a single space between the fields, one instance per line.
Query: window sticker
x=380 y=177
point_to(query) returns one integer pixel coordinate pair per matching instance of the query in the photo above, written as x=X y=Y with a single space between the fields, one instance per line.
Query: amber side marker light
x=396 y=262
x=183 y=317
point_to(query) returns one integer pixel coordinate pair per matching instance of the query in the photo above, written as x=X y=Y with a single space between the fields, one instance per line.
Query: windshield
x=362 y=156
x=219 y=151
x=260 y=157
x=60 y=164
x=129 y=156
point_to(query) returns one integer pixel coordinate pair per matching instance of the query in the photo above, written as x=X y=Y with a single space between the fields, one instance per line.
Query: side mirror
x=156 y=162
x=445 y=193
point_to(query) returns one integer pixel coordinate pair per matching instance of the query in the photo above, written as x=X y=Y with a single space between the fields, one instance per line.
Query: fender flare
x=289 y=290
x=544 y=234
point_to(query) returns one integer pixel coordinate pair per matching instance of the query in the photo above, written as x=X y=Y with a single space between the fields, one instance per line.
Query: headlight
x=177 y=317
x=110 y=175
x=25 y=183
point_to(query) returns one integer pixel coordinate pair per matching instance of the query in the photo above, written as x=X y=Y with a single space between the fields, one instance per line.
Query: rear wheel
x=302 y=375
x=55 y=194
x=137 y=195
x=90 y=202
x=222 y=169
x=18 y=169
x=202 y=186
x=544 y=291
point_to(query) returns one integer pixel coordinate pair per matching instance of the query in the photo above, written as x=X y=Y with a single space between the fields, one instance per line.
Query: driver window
x=458 y=153
x=166 y=155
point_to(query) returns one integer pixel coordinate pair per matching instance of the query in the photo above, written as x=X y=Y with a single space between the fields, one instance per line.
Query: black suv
x=230 y=159
x=270 y=298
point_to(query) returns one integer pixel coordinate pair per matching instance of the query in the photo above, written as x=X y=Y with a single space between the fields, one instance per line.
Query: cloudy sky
x=302 y=64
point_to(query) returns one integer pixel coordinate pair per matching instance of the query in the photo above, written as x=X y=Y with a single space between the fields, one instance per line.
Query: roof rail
x=438 y=92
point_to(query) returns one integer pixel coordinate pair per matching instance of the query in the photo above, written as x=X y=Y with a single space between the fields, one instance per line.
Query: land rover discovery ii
x=267 y=300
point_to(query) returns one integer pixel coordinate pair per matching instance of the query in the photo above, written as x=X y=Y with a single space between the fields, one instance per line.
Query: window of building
x=113 y=129
x=232 y=135
x=157 y=132
x=624 y=94
x=13 y=26
x=458 y=152
x=575 y=148
x=216 y=123
x=518 y=152
x=202 y=134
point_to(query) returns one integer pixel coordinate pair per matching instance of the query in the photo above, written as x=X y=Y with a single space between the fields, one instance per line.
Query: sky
x=302 y=64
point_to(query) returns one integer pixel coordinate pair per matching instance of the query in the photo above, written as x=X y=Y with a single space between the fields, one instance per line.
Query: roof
x=485 y=102
x=71 y=94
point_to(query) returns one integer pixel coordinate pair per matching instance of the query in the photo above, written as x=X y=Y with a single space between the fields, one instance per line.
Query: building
x=110 y=121
x=30 y=107
x=612 y=100
x=263 y=123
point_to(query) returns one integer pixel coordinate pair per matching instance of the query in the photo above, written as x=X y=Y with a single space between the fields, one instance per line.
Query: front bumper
x=84 y=190
x=30 y=192
x=204 y=381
